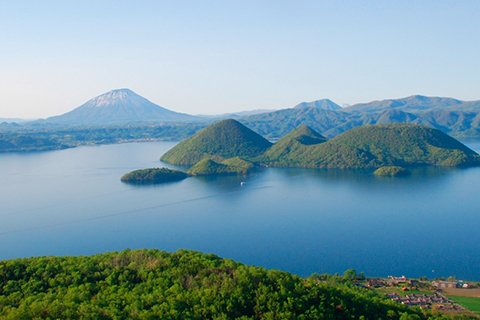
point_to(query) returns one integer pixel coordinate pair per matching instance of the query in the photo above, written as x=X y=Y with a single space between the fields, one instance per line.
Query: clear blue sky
x=214 y=57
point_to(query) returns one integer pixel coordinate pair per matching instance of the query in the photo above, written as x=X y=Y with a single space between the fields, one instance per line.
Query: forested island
x=392 y=171
x=153 y=284
x=394 y=146
x=154 y=175
x=227 y=166
x=222 y=140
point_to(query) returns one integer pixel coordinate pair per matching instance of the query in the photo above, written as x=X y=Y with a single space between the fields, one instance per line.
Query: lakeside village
x=422 y=293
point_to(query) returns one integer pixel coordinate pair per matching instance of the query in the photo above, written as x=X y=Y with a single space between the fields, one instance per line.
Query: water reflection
x=149 y=184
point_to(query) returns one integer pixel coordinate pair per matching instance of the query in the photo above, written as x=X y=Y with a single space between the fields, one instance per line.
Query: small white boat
x=242 y=183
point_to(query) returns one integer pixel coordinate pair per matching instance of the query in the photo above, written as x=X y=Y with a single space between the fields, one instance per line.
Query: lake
x=72 y=202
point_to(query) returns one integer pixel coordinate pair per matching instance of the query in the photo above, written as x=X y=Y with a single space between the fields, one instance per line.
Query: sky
x=213 y=57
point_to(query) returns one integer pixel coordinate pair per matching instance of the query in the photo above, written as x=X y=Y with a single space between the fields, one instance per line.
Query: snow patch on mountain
x=117 y=107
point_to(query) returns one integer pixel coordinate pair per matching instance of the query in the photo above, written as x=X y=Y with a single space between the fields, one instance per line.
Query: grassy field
x=385 y=290
x=469 y=303
x=470 y=292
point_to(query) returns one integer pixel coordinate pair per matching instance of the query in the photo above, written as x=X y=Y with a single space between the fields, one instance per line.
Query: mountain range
x=410 y=104
x=17 y=120
x=455 y=117
x=123 y=106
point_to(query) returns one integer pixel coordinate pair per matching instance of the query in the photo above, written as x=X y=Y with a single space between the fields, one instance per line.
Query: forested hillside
x=226 y=139
x=152 y=284
x=369 y=147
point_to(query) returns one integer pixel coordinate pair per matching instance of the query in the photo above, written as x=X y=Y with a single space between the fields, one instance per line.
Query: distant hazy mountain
x=117 y=107
x=452 y=116
x=9 y=125
x=412 y=103
x=275 y=125
x=395 y=116
x=234 y=115
x=466 y=106
x=17 y=120
x=325 y=104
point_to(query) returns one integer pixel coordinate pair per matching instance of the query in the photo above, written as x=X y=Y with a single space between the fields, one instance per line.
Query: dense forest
x=153 y=284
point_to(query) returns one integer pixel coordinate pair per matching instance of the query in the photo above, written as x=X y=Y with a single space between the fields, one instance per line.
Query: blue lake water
x=71 y=202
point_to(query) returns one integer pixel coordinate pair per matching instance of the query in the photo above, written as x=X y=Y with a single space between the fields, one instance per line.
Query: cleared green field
x=470 y=303
x=385 y=290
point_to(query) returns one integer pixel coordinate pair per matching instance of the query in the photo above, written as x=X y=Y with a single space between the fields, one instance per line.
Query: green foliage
x=350 y=274
x=229 y=166
x=392 y=171
x=152 y=284
x=226 y=139
x=292 y=153
x=408 y=144
x=154 y=175
x=374 y=146
x=469 y=303
x=238 y=162
x=208 y=167
x=304 y=135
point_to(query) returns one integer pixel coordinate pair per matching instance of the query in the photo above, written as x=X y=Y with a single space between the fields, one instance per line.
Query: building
x=445 y=284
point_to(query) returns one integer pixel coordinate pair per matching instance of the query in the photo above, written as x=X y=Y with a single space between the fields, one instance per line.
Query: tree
x=350 y=274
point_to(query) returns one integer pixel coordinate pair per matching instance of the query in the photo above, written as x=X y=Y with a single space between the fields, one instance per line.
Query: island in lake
x=229 y=147
x=392 y=171
x=154 y=175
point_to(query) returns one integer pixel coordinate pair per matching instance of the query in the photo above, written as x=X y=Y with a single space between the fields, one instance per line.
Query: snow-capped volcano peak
x=114 y=97
x=118 y=106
